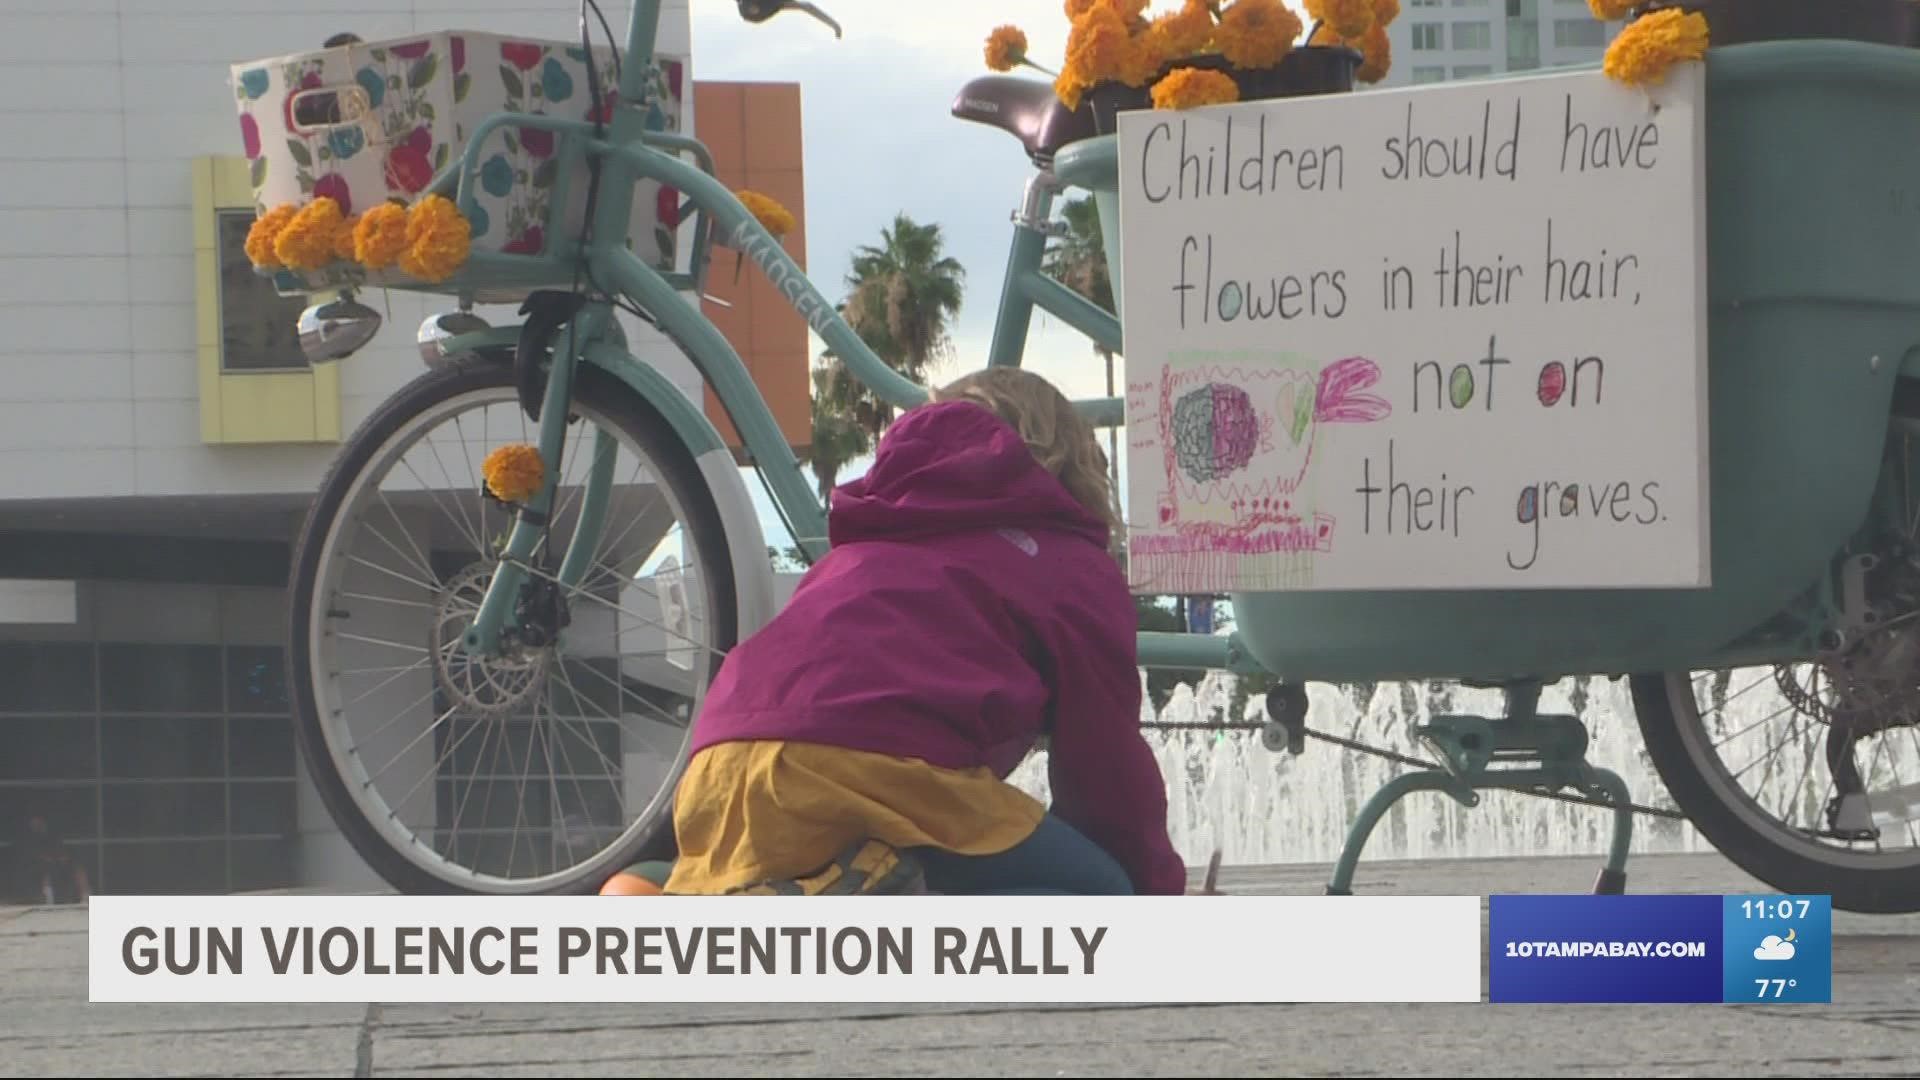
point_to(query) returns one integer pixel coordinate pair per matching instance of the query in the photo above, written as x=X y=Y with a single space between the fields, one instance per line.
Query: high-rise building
x=1437 y=40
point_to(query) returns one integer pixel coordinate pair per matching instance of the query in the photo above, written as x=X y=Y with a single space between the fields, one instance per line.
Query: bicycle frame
x=630 y=153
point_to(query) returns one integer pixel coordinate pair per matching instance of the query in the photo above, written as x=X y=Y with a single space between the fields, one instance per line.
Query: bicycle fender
x=746 y=541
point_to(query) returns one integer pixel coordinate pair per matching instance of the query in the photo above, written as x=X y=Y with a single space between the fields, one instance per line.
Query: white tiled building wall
x=1437 y=40
x=103 y=106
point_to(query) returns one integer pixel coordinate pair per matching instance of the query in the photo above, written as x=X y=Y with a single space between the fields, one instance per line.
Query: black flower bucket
x=1741 y=22
x=1306 y=70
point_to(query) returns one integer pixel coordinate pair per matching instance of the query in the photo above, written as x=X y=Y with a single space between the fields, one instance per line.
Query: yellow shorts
x=748 y=813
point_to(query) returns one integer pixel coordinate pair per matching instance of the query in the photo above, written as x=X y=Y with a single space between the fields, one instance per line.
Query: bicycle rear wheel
x=1753 y=759
x=547 y=769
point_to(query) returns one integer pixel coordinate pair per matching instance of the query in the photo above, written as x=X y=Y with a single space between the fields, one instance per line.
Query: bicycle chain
x=1408 y=760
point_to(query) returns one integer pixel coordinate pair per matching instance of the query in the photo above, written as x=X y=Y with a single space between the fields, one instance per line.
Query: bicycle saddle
x=1026 y=109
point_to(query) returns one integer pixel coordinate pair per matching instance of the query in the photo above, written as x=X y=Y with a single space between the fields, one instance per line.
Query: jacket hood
x=949 y=467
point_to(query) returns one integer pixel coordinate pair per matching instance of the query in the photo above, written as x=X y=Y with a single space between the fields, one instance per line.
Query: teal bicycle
x=497 y=698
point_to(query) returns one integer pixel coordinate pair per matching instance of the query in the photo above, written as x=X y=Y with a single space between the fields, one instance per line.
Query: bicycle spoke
x=466 y=792
x=381 y=670
x=383 y=683
x=421 y=562
x=619 y=797
x=670 y=719
x=520 y=793
x=401 y=645
x=474 y=479
x=1755 y=724
x=415 y=582
x=586 y=728
x=396 y=600
x=467 y=528
x=1767 y=754
x=1792 y=794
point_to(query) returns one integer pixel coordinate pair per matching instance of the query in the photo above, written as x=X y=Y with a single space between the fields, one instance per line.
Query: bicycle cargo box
x=369 y=122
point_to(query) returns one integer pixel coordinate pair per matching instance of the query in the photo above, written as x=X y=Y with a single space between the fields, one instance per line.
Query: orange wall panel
x=753 y=131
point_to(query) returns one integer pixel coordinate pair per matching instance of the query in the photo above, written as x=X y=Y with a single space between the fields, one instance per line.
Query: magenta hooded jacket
x=967 y=606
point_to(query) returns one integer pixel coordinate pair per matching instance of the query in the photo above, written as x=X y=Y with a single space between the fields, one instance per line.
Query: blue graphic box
x=1605 y=948
x=1779 y=948
x=1660 y=949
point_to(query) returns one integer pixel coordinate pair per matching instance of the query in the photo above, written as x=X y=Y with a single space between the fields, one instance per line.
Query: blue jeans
x=1056 y=860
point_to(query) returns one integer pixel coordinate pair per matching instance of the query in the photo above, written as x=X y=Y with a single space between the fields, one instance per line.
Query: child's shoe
x=641 y=879
x=867 y=868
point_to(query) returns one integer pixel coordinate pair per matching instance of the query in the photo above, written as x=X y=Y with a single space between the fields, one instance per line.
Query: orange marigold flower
x=381 y=236
x=1099 y=47
x=1128 y=10
x=1146 y=54
x=1377 y=55
x=438 y=239
x=307 y=241
x=1006 y=47
x=1316 y=10
x=1351 y=19
x=1256 y=33
x=1385 y=11
x=1653 y=43
x=1611 y=10
x=1184 y=32
x=773 y=217
x=265 y=230
x=1323 y=35
x=1191 y=88
x=343 y=238
x=514 y=473
x=1069 y=88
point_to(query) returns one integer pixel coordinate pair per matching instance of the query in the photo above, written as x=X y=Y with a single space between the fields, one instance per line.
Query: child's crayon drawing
x=1237 y=449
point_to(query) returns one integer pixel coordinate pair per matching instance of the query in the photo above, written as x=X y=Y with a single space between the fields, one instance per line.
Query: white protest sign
x=1448 y=336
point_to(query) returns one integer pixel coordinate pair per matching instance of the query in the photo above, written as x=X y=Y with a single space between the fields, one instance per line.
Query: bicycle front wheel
x=548 y=768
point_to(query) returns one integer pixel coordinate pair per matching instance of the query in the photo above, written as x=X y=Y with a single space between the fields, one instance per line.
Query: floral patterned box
x=370 y=122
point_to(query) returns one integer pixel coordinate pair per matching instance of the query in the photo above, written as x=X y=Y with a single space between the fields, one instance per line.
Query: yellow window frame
x=247 y=406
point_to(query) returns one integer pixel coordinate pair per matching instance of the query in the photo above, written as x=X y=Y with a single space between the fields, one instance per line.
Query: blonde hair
x=1059 y=437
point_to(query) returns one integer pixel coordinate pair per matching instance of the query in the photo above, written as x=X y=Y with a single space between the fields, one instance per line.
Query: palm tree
x=838 y=436
x=904 y=296
x=1079 y=260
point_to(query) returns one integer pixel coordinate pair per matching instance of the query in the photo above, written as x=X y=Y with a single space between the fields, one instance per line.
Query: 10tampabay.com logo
x=1660 y=948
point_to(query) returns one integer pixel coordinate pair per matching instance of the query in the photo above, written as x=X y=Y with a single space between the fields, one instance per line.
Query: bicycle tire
x=1726 y=816
x=638 y=420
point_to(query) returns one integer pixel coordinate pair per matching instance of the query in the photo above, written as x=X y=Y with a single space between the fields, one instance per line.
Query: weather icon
x=1775 y=947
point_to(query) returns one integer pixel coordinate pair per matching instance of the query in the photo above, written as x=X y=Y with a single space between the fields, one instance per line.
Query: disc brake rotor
x=488 y=685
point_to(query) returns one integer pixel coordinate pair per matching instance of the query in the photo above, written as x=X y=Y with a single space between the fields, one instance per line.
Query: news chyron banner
x=1199 y=949
x=1727 y=949
x=1005 y=949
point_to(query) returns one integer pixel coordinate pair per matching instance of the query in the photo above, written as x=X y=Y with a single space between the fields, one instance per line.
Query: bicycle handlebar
x=759 y=11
